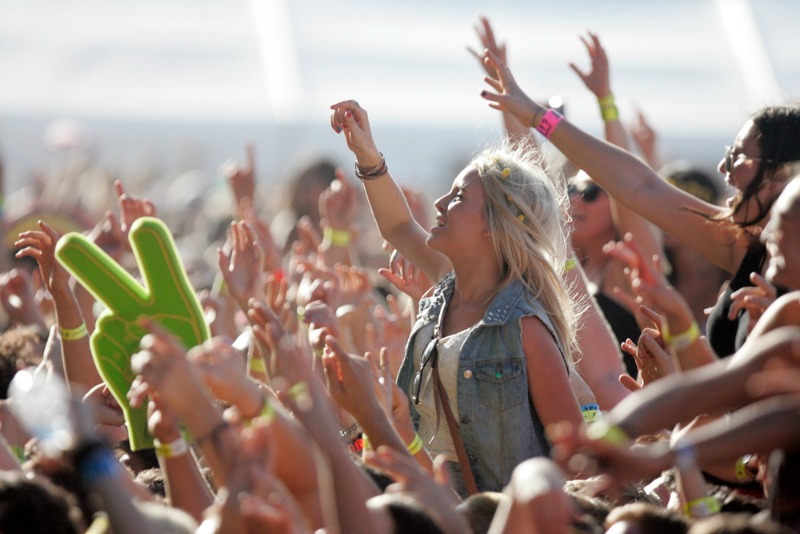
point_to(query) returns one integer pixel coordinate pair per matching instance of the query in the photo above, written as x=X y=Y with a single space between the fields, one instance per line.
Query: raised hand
x=18 y=299
x=337 y=204
x=240 y=264
x=596 y=78
x=755 y=299
x=508 y=95
x=164 y=371
x=132 y=208
x=166 y=297
x=40 y=245
x=405 y=276
x=488 y=42
x=646 y=139
x=241 y=178
x=223 y=369
x=352 y=120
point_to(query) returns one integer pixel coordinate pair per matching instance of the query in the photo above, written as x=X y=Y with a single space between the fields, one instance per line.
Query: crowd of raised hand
x=529 y=359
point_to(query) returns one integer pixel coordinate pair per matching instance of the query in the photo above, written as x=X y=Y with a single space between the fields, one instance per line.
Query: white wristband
x=171 y=449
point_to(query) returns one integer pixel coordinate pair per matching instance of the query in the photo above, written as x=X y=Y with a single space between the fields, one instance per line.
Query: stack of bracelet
x=372 y=173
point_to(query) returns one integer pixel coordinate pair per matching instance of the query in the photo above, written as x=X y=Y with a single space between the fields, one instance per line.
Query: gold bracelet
x=72 y=334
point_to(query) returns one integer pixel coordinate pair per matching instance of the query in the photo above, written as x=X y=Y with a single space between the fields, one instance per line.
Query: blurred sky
x=177 y=84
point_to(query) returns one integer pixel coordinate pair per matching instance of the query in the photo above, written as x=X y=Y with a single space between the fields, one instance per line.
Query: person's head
x=34 y=505
x=306 y=186
x=19 y=347
x=694 y=181
x=408 y=515
x=505 y=200
x=780 y=237
x=644 y=518
x=479 y=510
x=765 y=143
x=590 y=210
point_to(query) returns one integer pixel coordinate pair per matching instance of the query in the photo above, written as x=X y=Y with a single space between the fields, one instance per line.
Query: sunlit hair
x=526 y=214
x=777 y=132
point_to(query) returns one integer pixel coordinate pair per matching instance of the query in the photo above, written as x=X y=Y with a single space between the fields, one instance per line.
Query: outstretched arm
x=389 y=207
x=598 y=81
x=624 y=176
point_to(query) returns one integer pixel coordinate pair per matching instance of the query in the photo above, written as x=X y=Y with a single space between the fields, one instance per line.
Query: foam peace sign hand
x=166 y=297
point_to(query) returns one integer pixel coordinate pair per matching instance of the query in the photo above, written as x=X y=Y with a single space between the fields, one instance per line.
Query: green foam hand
x=167 y=297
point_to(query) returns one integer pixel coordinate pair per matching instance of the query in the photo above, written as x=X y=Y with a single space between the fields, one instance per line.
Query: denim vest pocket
x=501 y=383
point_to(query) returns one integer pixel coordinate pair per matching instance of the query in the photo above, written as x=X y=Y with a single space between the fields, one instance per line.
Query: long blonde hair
x=526 y=215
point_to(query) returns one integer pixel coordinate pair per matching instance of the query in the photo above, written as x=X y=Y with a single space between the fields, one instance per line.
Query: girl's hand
x=597 y=78
x=352 y=120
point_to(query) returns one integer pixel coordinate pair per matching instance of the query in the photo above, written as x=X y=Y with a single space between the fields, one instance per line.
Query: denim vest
x=497 y=420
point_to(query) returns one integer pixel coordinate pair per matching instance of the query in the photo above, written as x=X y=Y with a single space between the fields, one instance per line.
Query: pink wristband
x=549 y=122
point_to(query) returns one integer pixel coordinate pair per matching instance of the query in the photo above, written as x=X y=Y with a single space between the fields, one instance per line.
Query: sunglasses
x=588 y=194
x=430 y=354
x=731 y=158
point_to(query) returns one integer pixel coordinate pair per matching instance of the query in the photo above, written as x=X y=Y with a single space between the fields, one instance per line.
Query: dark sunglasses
x=730 y=157
x=588 y=194
x=430 y=354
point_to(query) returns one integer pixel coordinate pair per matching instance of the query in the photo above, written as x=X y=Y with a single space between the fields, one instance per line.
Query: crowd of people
x=531 y=358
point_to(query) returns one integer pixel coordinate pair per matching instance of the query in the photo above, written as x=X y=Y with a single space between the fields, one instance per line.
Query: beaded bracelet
x=350 y=433
x=171 y=449
x=73 y=334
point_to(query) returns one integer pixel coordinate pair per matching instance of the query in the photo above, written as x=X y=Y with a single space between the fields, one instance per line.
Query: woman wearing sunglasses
x=491 y=336
x=728 y=237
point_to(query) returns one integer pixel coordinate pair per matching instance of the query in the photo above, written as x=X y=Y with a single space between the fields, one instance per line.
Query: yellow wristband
x=570 y=264
x=71 y=334
x=608 y=108
x=171 y=449
x=415 y=446
x=742 y=474
x=591 y=413
x=365 y=442
x=611 y=434
x=702 y=507
x=684 y=339
x=257 y=365
x=336 y=238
